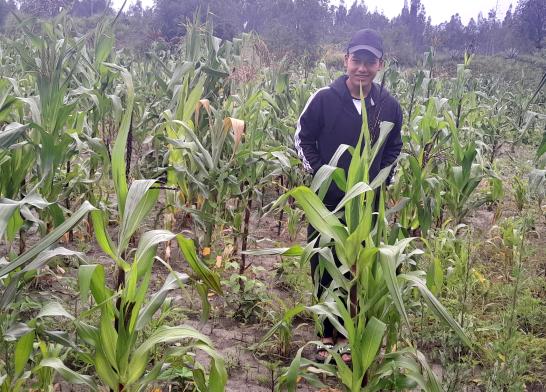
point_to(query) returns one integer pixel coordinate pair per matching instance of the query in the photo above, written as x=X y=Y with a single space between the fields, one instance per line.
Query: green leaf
x=101 y=234
x=188 y=106
x=157 y=300
x=384 y=129
x=164 y=334
x=10 y=134
x=318 y=215
x=218 y=374
x=435 y=276
x=389 y=261
x=293 y=370
x=140 y=200
x=437 y=307
x=15 y=331
x=356 y=190
x=118 y=152
x=47 y=255
x=48 y=240
x=293 y=251
x=23 y=349
x=105 y=370
x=373 y=336
x=330 y=310
x=54 y=309
x=104 y=42
x=147 y=247
x=381 y=177
x=203 y=291
x=88 y=274
x=108 y=339
x=203 y=272
x=68 y=374
x=9 y=207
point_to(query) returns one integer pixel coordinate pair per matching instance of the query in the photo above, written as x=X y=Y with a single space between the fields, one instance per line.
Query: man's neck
x=355 y=91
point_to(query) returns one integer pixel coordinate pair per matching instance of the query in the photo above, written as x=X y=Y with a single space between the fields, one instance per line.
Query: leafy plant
x=370 y=302
x=246 y=295
x=283 y=328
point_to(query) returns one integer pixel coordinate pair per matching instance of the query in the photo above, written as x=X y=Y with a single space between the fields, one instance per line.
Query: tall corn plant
x=120 y=345
x=193 y=83
x=371 y=301
x=52 y=61
x=35 y=152
x=187 y=101
x=420 y=181
x=202 y=169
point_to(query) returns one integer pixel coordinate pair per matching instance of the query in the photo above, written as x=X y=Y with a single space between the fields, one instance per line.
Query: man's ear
x=346 y=60
x=381 y=63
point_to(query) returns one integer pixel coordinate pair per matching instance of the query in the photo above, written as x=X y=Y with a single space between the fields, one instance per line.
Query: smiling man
x=333 y=116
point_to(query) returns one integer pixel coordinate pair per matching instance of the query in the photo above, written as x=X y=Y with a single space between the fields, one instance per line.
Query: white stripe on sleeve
x=297 y=140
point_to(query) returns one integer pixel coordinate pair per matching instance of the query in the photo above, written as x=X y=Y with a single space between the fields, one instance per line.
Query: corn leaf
x=203 y=272
x=318 y=215
x=120 y=145
x=157 y=300
x=23 y=349
x=11 y=133
x=140 y=200
x=48 y=240
x=68 y=374
x=437 y=307
x=373 y=336
x=54 y=309
x=389 y=260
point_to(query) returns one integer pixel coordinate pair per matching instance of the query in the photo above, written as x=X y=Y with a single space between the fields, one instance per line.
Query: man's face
x=362 y=66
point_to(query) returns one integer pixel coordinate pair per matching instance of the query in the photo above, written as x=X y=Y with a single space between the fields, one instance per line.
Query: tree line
x=303 y=26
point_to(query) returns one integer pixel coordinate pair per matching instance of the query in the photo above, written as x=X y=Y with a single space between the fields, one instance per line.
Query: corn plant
x=370 y=302
x=58 y=58
x=460 y=89
x=199 y=177
x=116 y=348
x=282 y=328
x=15 y=274
x=33 y=352
x=463 y=176
x=205 y=168
x=420 y=181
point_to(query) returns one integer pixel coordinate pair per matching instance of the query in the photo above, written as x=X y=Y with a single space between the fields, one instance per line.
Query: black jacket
x=330 y=118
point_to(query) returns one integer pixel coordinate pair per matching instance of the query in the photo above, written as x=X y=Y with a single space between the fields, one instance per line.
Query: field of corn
x=153 y=213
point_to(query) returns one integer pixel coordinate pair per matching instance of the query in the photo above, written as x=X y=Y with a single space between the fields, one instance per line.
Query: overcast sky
x=439 y=10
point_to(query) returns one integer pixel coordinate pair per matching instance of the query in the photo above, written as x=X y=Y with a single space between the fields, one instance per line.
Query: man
x=333 y=116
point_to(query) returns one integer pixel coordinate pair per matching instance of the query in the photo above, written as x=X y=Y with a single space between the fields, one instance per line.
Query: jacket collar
x=341 y=89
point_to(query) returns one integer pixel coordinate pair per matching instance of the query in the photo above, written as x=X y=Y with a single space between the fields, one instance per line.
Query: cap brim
x=376 y=53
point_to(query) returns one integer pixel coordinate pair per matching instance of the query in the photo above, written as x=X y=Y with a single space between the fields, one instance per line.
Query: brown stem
x=279 y=225
x=236 y=230
x=243 y=267
x=353 y=295
x=22 y=242
x=71 y=231
x=458 y=119
x=129 y=149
